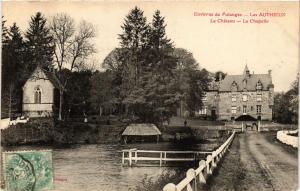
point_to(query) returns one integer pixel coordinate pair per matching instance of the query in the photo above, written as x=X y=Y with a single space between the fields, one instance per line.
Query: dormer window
x=259 y=85
x=37 y=95
x=234 y=86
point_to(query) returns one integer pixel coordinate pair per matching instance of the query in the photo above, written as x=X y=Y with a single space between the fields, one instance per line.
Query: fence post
x=208 y=168
x=201 y=176
x=214 y=156
x=135 y=155
x=160 y=158
x=130 y=157
x=170 y=187
x=123 y=156
x=191 y=174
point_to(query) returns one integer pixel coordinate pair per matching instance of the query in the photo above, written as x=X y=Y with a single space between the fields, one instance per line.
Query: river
x=97 y=167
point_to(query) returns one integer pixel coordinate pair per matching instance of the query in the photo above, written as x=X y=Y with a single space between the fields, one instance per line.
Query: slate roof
x=245 y=81
x=250 y=84
x=142 y=129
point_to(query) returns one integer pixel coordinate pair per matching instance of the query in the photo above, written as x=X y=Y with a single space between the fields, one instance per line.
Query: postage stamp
x=28 y=170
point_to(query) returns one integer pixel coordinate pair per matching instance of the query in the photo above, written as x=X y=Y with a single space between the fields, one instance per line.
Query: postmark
x=28 y=170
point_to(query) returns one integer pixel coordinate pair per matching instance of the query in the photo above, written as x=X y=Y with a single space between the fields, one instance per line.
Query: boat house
x=141 y=132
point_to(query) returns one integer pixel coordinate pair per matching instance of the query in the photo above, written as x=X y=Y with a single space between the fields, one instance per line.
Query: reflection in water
x=98 y=167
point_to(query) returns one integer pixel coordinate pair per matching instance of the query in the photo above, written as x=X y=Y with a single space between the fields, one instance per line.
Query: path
x=253 y=163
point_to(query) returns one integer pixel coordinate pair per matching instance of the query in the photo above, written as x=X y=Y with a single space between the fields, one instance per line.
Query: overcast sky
x=216 y=46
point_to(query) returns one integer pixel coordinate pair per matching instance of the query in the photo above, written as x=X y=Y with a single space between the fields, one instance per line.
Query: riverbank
x=47 y=131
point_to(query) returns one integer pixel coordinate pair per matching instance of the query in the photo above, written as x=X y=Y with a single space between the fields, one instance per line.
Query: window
x=258 y=108
x=258 y=85
x=204 y=97
x=244 y=109
x=37 y=95
x=233 y=98
x=245 y=97
x=203 y=111
x=233 y=109
x=258 y=97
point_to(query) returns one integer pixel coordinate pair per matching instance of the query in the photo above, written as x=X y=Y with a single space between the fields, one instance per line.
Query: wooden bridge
x=135 y=155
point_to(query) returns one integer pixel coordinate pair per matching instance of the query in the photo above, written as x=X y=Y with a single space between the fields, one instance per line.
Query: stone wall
x=32 y=109
x=226 y=103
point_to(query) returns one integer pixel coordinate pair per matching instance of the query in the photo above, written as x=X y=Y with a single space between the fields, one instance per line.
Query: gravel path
x=254 y=163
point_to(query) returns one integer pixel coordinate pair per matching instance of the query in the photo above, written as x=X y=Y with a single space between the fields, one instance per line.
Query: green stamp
x=28 y=170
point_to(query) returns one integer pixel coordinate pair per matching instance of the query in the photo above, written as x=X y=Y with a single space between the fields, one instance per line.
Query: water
x=98 y=167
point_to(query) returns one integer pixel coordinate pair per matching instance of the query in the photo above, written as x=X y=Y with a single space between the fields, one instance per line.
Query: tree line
x=146 y=77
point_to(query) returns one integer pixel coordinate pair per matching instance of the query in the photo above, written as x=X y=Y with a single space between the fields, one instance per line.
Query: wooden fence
x=285 y=138
x=194 y=178
x=134 y=155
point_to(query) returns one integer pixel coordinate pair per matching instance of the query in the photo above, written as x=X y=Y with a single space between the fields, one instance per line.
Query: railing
x=285 y=138
x=134 y=155
x=195 y=178
x=5 y=123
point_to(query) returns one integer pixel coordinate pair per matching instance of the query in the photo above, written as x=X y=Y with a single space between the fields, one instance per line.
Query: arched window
x=37 y=95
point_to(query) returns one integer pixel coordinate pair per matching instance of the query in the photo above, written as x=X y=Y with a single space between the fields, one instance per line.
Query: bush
x=148 y=184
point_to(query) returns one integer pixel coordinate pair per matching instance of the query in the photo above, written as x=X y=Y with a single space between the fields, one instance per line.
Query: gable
x=40 y=74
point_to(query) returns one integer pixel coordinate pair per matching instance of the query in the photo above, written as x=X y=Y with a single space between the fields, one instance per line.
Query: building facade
x=38 y=94
x=238 y=95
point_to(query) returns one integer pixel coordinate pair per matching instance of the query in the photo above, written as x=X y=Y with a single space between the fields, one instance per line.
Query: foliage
x=286 y=105
x=77 y=93
x=218 y=74
x=197 y=86
x=13 y=71
x=100 y=94
x=73 y=48
x=39 y=43
x=148 y=75
x=167 y=176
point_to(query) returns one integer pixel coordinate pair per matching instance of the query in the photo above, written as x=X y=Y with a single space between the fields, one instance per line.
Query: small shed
x=248 y=122
x=140 y=132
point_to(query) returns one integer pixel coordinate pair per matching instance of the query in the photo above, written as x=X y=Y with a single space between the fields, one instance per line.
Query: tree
x=219 y=74
x=191 y=81
x=77 y=92
x=198 y=84
x=101 y=94
x=12 y=70
x=4 y=32
x=286 y=104
x=73 y=47
x=134 y=41
x=39 y=43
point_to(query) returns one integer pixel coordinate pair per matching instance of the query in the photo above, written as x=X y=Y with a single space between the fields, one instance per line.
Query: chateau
x=240 y=95
x=38 y=94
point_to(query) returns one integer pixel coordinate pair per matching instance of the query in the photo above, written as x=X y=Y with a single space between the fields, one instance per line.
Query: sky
x=220 y=45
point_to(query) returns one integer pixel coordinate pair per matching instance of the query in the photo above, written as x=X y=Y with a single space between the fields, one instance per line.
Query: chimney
x=220 y=76
x=270 y=72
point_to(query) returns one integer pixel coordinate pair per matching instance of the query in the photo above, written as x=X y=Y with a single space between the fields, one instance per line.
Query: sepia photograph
x=149 y=95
